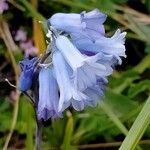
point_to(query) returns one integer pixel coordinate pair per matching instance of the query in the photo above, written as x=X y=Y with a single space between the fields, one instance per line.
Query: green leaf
x=147 y=4
x=138 y=128
x=114 y=118
x=138 y=88
x=121 y=83
x=120 y=1
x=147 y=48
x=23 y=122
x=119 y=103
x=139 y=28
x=68 y=133
x=143 y=65
x=129 y=75
x=96 y=121
x=29 y=127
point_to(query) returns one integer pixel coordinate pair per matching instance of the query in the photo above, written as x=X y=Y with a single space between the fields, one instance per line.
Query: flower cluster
x=82 y=58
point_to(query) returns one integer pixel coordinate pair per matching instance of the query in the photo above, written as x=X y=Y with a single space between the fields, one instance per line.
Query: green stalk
x=8 y=40
x=138 y=128
x=29 y=131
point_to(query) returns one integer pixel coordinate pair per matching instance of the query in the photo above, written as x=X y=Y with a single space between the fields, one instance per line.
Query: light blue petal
x=61 y=75
x=94 y=20
x=94 y=16
x=78 y=105
x=95 y=93
x=66 y=22
x=48 y=95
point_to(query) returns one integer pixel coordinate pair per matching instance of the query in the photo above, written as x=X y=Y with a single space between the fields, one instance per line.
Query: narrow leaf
x=68 y=133
x=138 y=128
x=114 y=118
x=139 y=87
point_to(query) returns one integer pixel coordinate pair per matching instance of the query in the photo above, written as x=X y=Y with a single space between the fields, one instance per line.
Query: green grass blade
x=114 y=118
x=143 y=65
x=138 y=128
x=32 y=10
x=29 y=132
x=68 y=133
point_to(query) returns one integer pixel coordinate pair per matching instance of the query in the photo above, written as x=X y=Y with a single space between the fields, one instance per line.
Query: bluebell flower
x=111 y=46
x=84 y=69
x=48 y=95
x=27 y=72
x=88 y=25
x=69 y=95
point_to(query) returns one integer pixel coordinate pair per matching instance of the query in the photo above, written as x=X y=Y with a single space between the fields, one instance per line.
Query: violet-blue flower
x=27 y=72
x=78 y=99
x=111 y=46
x=68 y=93
x=77 y=25
x=84 y=69
x=48 y=95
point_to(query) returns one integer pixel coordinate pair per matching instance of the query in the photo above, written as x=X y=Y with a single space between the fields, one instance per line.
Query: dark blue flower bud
x=26 y=77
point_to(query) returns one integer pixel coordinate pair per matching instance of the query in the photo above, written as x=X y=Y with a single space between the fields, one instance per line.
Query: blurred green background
x=103 y=127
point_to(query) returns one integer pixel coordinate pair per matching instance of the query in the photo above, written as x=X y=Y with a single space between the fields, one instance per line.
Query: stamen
x=10 y=83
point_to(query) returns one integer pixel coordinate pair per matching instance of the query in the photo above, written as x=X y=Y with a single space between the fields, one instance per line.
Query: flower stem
x=38 y=136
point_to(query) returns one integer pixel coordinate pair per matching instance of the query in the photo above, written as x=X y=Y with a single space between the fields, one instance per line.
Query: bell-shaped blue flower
x=84 y=69
x=66 y=22
x=85 y=24
x=27 y=72
x=48 y=95
x=111 y=46
x=68 y=93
